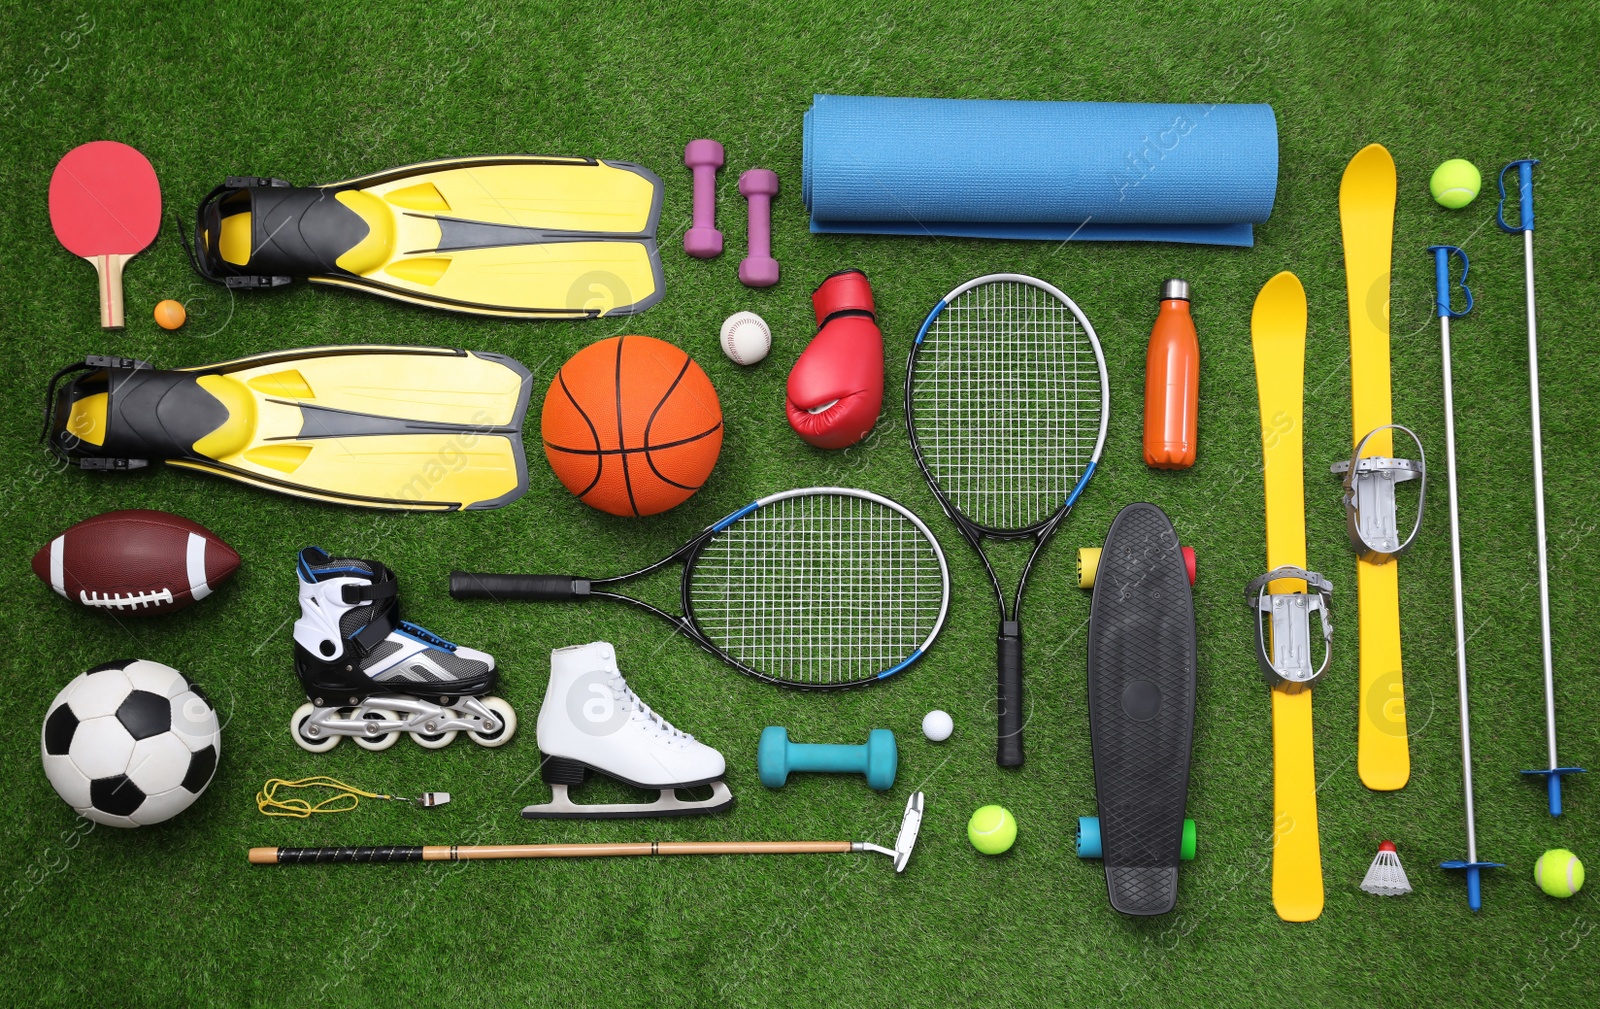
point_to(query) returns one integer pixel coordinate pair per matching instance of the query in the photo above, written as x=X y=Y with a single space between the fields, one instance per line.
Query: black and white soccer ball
x=130 y=743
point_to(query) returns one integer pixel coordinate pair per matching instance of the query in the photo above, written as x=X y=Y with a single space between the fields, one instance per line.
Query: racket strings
x=819 y=589
x=1007 y=401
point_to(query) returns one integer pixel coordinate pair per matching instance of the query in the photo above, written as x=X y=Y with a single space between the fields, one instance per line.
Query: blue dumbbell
x=878 y=758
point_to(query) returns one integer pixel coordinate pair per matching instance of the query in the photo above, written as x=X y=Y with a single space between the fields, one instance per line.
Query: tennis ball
x=1558 y=873
x=170 y=314
x=992 y=830
x=1455 y=183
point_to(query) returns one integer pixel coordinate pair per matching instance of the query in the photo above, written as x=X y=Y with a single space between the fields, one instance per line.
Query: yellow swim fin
x=417 y=428
x=518 y=236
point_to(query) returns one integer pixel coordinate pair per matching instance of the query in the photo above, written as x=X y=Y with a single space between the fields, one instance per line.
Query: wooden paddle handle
x=109 y=270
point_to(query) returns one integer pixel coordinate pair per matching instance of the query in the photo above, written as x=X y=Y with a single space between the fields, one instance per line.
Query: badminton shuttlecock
x=1386 y=878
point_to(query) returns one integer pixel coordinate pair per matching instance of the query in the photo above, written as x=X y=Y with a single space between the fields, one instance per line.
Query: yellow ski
x=1285 y=597
x=1366 y=216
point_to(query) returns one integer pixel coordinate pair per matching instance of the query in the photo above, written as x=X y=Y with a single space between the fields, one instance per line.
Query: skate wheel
x=382 y=741
x=318 y=744
x=435 y=742
x=1088 y=837
x=508 y=724
x=1088 y=564
x=1186 y=848
x=1189 y=564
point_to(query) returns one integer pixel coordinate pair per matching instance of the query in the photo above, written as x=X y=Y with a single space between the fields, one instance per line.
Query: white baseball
x=937 y=726
x=745 y=337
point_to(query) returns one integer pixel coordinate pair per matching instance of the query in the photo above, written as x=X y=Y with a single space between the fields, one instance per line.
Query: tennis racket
x=818 y=588
x=1006 y=406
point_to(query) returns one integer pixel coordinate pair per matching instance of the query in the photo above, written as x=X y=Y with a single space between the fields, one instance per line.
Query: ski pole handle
x=544 y=588
x=1524 y=196
x=1441 y=280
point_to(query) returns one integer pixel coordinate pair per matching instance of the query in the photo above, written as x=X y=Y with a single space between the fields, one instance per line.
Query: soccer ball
x=130 y=743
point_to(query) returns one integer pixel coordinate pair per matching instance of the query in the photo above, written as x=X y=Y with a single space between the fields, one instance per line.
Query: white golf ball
x=937 y=726
x=745 y=337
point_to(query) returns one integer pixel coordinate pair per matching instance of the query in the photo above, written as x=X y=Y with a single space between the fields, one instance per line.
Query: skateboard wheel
x=1089 y=838
x=1088 y=564
x=1089 y=833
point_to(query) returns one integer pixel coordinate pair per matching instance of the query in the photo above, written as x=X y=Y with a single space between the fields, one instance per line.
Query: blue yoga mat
x=1096 y=171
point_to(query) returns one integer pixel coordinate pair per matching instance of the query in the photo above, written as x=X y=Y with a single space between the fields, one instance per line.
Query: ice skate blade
x=562 y=808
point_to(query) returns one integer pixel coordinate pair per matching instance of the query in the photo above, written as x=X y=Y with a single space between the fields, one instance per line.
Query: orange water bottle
x=1172 y=382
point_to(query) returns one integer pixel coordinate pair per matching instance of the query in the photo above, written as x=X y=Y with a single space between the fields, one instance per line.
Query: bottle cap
x=1175 y=290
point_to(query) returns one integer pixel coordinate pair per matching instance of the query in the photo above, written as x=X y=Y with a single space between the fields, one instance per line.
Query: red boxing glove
x=836 y=388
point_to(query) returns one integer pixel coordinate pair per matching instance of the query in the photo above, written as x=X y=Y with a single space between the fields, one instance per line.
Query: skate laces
x=426 y=636
x=642 y=712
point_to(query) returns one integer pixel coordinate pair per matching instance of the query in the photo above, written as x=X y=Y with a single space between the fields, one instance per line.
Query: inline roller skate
x=372 y=676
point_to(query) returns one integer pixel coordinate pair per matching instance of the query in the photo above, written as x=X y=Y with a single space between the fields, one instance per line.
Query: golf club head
x=909 y=827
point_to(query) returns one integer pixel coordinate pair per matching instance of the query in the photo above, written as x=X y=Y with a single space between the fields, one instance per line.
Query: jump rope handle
x=1441 y=279
x=1524 y=196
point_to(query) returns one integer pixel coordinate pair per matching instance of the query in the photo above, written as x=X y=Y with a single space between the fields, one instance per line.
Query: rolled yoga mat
x=1096 y=171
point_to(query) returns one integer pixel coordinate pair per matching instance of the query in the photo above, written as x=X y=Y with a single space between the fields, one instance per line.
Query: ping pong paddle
x=105 y=205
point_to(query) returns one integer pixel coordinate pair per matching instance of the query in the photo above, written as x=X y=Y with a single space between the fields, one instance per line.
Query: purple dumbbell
x=759 y=269
x=704 y=157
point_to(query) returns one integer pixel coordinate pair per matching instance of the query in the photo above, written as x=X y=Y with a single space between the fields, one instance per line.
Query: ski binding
x=1289 y=667
x=1369 y=498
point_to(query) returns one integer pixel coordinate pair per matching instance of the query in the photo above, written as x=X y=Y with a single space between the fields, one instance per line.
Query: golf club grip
x=290 y=856
x=545 y=588
x=1009 y=753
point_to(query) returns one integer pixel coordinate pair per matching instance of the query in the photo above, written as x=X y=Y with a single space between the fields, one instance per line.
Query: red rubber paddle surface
x=105 y=203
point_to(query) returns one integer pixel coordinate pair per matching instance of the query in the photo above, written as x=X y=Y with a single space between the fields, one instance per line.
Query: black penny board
x=1141 y=707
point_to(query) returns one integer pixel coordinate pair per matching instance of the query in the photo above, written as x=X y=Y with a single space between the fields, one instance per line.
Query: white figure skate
x=591 y=721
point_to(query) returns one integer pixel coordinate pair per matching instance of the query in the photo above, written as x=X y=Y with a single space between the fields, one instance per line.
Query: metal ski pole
x=1524 y=224
x=1441 y=275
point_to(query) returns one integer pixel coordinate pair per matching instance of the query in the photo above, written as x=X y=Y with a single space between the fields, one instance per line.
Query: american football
x=136 y=562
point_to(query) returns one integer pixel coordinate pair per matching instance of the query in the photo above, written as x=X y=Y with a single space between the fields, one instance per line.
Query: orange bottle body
x=1172 y=388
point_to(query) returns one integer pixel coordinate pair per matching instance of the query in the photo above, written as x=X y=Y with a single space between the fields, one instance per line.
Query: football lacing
x=125 y=602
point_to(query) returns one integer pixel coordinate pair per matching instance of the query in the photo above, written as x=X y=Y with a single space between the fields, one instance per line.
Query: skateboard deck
x=1141 y=707
x=1366 y=215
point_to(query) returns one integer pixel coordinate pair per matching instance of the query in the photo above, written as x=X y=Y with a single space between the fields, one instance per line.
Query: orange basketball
x=631 y=425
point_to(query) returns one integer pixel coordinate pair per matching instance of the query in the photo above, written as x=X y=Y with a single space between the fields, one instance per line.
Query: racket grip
x=546 y=588
x=1009 y=753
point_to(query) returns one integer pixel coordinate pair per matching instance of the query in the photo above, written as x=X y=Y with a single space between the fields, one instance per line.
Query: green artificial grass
x=172 y=915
